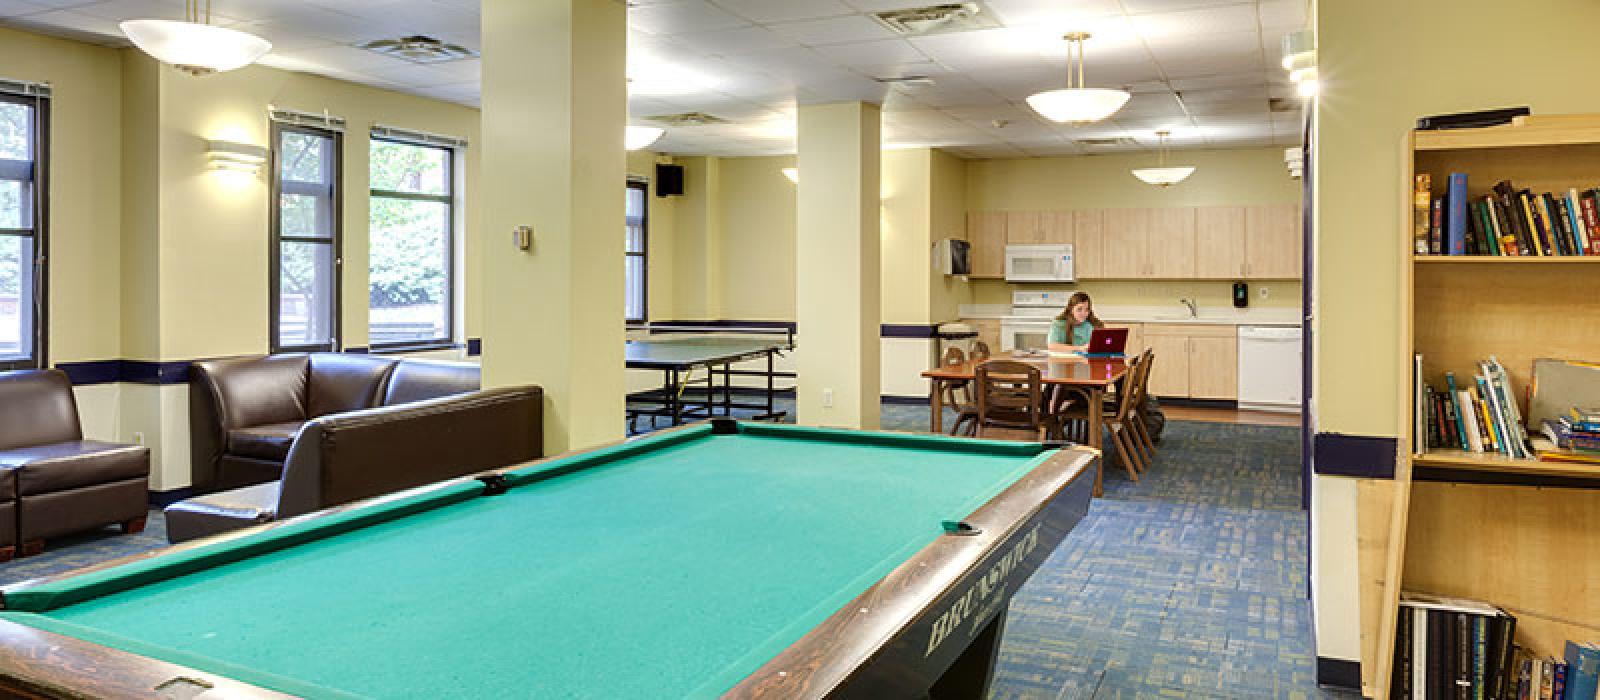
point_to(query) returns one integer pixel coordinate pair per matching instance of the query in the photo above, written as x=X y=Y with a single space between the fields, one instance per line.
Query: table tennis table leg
x=772 y=410
x=673 y=406
x=727 y=389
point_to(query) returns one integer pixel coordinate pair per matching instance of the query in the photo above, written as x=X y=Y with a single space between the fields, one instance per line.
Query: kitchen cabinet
x=1171 y=244
x=1125 y=243
x=1193 y=360
x=986 y=231
x=1272 y=242
x=1038 y=227
x=1088 y=243
x=1219 y=242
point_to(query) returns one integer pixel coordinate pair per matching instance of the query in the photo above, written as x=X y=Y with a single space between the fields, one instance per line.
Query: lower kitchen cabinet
x=1194 y=361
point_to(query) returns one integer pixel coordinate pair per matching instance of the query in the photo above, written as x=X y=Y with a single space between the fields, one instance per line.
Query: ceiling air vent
x=908 y=80
x=1118 y=141
x=687 y=119
x=419 y=49
x=938 y=19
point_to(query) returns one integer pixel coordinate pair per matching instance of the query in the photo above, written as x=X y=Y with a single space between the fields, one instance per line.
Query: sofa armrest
x=350 y=456
x=224 y=511
x=240 y=392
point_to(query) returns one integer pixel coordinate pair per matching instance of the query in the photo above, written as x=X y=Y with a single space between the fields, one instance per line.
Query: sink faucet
x=1193 y=312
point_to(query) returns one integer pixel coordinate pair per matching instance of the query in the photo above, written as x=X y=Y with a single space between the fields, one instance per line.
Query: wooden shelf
x=1507 y=259
x=1500 y=464
x=1531 y=131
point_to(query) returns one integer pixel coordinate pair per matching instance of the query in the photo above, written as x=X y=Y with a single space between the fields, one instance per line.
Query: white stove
x=1028 y=326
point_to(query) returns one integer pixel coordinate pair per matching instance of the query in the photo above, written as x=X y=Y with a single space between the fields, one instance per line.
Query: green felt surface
x=698 y=349
x=662 y=568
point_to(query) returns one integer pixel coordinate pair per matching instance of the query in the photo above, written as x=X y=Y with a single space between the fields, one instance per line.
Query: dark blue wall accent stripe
x=912 y=330
x=137 y=371
x=1337 y=454
x=1339 y=673
x=358 y=350
x=474 y=347
x=92 y=372
x=886 y=330
x=904 y=400
x=162 y=499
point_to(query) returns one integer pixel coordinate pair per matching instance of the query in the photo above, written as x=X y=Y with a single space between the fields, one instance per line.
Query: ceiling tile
x=1197 y=23
x=682 y=17
x=738 y=40
x=13 y=8
x=834 y=30
x=768 y=11
x=1141 y=7
x=1282 y=14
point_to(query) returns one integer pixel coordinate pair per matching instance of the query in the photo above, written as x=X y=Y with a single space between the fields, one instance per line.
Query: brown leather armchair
x=244 y=412
x=52 y=481
x=349 y=456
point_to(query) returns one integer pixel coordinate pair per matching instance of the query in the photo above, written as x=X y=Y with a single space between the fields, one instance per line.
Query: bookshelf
x=1479 y=525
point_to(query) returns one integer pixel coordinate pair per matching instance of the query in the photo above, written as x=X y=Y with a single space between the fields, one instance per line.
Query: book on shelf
x=1422 y=212
x=1452 y=648
x=1583 y=670
x=1480 y=417
x=1506 y=221
x=1455 y=220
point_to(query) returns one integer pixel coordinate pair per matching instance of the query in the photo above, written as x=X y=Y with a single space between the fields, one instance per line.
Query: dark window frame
x=275 y=222
x=39 y=279
x=449 y=200
x=644 y=252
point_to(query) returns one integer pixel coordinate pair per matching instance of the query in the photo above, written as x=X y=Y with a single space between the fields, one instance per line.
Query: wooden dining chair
x=1010 y=400
x=980 y=351
x=958 y=395
x=1117 y=420
x=1141 y=406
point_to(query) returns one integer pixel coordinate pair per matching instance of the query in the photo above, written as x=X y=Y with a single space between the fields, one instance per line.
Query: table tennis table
x=687 y=395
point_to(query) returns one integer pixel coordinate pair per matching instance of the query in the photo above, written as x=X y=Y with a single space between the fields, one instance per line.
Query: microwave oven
x=1050 y=262
x=952 y=256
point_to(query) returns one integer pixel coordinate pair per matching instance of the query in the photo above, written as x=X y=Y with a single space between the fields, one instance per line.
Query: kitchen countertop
x=1229 y=316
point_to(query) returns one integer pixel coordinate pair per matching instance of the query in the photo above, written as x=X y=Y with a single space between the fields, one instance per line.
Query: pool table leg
x=936 y=402
x=7 y=553
x=133 y=527
x=969 y=676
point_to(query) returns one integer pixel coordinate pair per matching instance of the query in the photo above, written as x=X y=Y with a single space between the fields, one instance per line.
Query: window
x=634 y=216
x=22 y=225
x=412 y=244
x=305 y=238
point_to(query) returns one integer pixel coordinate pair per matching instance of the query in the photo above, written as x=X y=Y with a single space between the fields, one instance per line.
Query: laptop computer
x=1107 y=342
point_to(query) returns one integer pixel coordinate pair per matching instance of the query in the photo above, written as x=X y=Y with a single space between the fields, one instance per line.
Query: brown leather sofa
x=52 y=481
x=244 y=412
x=349 y=456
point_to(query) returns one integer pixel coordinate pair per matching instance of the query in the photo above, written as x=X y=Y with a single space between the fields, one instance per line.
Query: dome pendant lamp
x=1076 y=103
x=194 y=45
x=1163 y=175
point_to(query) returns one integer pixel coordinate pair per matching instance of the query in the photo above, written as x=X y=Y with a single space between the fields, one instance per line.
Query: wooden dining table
x=1087 y=377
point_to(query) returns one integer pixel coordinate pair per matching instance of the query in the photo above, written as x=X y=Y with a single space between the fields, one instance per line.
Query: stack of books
x=1576 y=435
x=1449 y=648
x=1478 y=417
x=1509 y=221
x=1574 y=676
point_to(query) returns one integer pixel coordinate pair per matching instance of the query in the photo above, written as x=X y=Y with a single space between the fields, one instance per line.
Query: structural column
x=554 y=106
x=837 y=276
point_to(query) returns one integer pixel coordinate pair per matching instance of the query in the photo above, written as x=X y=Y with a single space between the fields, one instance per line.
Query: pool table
x=724 y=559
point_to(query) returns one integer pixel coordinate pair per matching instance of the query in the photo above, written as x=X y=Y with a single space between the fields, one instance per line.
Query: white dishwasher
x=1269 y=368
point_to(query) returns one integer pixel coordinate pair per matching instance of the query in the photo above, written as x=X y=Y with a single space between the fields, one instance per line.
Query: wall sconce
x=235 y=157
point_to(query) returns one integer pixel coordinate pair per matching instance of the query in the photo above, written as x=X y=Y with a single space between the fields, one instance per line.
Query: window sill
x=415 y=347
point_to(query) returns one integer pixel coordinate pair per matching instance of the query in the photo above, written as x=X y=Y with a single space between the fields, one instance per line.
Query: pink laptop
x=1107 y=342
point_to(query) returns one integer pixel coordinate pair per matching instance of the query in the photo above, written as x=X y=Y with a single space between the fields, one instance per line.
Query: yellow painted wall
x=85 y=194
x=947 y=219
x=1227 y=177
x=1382 y=65
x=214 y=239
x=905 y=220
x=697 y=241
x=757 y=256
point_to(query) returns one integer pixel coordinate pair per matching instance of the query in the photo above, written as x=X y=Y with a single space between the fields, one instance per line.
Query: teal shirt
x=1080 y=333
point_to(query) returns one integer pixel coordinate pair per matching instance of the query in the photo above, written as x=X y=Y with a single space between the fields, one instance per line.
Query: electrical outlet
x=827 y=398
x=138 y=438
x=1263 y=292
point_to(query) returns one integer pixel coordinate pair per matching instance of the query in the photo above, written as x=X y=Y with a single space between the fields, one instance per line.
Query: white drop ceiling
x=1205 y=69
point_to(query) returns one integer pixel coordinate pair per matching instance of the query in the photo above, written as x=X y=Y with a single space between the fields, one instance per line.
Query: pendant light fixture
x=1163 y=175
x=1077 y=103
x=194 y=45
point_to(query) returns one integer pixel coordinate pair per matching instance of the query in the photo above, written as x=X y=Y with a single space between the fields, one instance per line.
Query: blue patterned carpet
x=1188 y=584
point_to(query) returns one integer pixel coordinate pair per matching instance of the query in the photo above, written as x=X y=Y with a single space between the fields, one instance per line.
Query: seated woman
x=1071 y=330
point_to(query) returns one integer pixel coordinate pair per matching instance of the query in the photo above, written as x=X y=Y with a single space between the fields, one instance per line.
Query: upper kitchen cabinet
x=1171 y=244
x=1088 y=243
x=1125 y=244
x=1272 y=242
x=1219 y=242
x=986 y=231
x=1038 y=227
